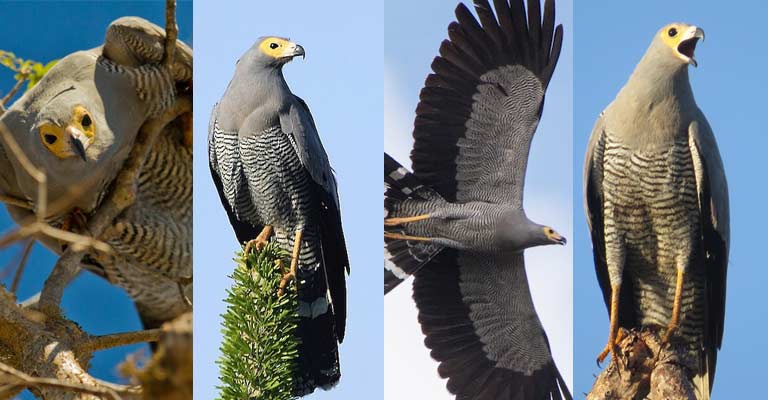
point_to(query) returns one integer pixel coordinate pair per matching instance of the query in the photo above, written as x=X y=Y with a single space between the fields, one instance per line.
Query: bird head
x=678 y=40
x=552 y=237
x=66 y=133
x=515 y=232
x=273 y=51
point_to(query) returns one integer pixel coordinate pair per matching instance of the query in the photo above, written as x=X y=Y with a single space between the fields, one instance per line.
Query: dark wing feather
x=714 y=205
x=593 y=206
x=485 y=97
x=297 y=122
x=480 y=323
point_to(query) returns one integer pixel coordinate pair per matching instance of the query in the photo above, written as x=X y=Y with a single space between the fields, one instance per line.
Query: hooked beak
x=297 y=50
x=561 y=240
x=78 y=140
x=687 y=46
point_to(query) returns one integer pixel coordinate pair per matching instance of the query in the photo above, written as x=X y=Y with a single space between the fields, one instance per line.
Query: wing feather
x=480 y=107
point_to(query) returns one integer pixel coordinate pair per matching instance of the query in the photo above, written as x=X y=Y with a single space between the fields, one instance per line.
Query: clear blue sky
x=44 y=31
x=413 y=32
x=340 y=79
x=611 y=37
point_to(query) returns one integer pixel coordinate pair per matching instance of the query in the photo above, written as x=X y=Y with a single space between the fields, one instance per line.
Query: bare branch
x=25 y=380
x=97 y=343
x=171 y=33
x=13 y=91
x=22 y=265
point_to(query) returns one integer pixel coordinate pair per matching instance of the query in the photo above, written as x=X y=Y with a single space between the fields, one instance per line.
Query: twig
x=171 y=33
x=103 y=342
x=31 y=381
x=17 y=202
x=13 y=91
x=22 y=265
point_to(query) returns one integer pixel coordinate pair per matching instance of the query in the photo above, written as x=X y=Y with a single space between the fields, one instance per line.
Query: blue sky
x=340 y=80
x=413 y=32
x=611 y=37
x=42 y=32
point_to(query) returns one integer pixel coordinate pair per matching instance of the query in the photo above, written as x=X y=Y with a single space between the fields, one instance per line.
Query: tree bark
x=645 y=369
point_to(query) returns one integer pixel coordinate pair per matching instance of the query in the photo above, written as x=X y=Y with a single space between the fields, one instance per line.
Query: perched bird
x=457 y=222
x=273 y=176
x=656 y=200
x=78 y=124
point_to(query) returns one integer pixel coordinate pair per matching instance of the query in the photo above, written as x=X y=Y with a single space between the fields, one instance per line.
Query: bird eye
x=50 y=139
x=86 y=121
x=672 y=32
x=273 y=46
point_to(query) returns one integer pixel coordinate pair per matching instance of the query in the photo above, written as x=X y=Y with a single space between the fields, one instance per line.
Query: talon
x=610 y=348
x=404 y=220
x=261 y=241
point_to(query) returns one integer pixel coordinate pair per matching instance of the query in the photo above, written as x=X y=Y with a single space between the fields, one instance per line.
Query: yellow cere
x=275 y=47
x=54 y=137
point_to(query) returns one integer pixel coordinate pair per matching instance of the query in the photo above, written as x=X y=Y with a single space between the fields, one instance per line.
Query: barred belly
x=652 y=221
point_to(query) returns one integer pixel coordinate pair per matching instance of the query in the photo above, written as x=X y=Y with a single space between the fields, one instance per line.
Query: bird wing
x=480 y=107
x=712 y=189
x=593 y=207
x=298 y=124
x=481 y=325
x=243 y=230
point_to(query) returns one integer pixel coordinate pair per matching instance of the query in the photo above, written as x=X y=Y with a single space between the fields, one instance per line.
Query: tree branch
x=97 y=343
x=645 y=369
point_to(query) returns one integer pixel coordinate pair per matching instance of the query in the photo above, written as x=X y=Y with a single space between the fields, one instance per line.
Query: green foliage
x=29 y=70
x=259 y=350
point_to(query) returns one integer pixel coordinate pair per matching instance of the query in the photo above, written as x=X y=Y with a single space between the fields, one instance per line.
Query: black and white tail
x=403 y=258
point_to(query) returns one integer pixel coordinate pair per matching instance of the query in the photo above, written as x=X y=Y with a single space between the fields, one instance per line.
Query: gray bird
x=79 y=124
x=273 y=176
x=656 y=200
x=457 y=222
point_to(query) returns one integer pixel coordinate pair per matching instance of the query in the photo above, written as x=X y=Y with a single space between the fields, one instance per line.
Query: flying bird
x=457 y=222
x=78 y=124
x=656 y=200
x=273 y=177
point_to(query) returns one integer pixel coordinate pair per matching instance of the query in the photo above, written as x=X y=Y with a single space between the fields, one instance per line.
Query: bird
x=274 y=179
x=78 y=124
x=656 y=200
x=457 y=221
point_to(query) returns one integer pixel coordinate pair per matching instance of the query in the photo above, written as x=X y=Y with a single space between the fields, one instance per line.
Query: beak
x=298 y=50
x=687 y=46
x=561 y=240
x=78 y=140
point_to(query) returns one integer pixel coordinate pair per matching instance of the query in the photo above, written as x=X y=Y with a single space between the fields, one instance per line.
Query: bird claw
x=257 y=244
x=284 y=282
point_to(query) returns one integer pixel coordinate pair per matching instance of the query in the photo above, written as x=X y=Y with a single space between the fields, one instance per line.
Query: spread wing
x=481 y=325
x=481 y=105
x=712 y=189
x=297 y=123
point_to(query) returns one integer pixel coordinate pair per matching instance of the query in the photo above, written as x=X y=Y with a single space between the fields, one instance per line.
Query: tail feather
x=403 y=258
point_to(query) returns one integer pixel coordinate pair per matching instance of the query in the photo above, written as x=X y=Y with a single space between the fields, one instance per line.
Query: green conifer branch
x=259 y=349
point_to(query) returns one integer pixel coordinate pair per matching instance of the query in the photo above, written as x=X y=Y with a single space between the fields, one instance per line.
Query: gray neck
x=252 y=93
x=656 y=104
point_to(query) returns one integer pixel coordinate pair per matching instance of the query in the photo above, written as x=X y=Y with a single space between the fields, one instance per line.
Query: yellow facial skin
x=71 y=140
x=673 y=35
x=554 y=236
x=278 y=48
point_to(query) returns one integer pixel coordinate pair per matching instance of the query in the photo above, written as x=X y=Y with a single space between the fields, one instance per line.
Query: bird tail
x=403 y=258
x=702 y=381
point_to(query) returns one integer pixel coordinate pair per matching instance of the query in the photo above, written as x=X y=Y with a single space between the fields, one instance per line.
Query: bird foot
x=398 y=236
x=610 y=348
x=260 y=242
x=668 y=334
x=404 y=220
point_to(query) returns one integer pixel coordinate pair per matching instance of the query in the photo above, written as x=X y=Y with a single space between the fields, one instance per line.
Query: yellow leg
x=399 y=236
x=260 y=240
x=675 y=321
x=613 y=336
x=404 y=220
x=294 y=263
